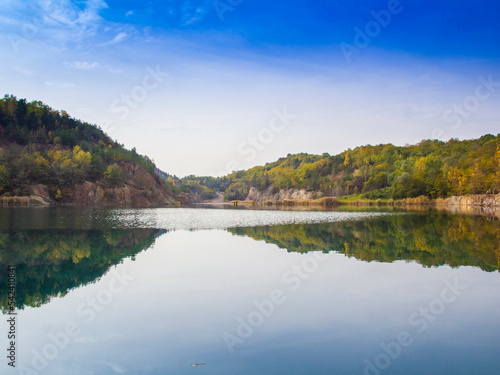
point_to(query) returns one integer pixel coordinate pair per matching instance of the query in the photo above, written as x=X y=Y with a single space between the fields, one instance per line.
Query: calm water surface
x=251 y=292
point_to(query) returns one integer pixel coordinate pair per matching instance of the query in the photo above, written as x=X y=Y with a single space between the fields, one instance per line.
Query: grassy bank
x=14 y=201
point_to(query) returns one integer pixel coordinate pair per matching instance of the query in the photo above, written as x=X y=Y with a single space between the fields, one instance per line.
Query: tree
x=21 y=112
x=97 y=168
x=4 y=177
x=113 y=176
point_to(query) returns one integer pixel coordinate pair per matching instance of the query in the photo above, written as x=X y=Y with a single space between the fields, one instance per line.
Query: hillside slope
x=431 y=168
x=54 y=158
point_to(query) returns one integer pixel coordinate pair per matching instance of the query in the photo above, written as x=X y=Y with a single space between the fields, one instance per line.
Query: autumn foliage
x=39 y=145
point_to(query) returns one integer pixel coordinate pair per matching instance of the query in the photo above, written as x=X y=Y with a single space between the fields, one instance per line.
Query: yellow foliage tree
x=347 y=160
x=81 y=158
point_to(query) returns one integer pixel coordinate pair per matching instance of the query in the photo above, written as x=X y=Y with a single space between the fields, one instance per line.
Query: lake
x=241 y=291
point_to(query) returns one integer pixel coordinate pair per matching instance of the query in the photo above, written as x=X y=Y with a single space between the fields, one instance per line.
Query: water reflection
x=191 y=287
x=431 y=239
x=50 y=263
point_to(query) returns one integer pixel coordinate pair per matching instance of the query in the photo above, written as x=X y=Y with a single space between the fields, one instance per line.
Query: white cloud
x=59 y=84
x=129 y=13
x=87 y=65
x=115 y=367
x=82 y=65
x=91 y=13
x=66 y=13
x=193 y=13
x=64 y=21
x=120 y=37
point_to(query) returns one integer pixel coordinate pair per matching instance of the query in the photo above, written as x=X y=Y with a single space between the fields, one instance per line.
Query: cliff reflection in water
x=50 y=263
x=431 y=239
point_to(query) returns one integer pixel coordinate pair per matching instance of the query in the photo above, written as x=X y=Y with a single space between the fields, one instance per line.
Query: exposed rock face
x=187 y=198
x=39 y=194
x=86 y=193
x=91 y=194
x=483 y=200
x=273 y=195
x=141 y=189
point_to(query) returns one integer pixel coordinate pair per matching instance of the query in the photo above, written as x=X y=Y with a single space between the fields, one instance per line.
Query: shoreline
x=480 y=203
x=478 y=200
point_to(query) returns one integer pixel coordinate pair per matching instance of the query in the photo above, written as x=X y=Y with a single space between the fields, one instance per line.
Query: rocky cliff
x=271 y=194
x=140 y=189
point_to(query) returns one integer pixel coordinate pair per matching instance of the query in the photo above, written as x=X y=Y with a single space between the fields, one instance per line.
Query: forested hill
x=47 y=153
x=431 y=168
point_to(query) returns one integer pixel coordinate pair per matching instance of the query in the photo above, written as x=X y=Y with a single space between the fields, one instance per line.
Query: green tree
x=113 y=176
x=4 y=177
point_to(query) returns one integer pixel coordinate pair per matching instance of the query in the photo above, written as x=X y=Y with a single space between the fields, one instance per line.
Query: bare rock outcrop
x=480 y=200
x=140 y=189
x=39 y=195
x=271 y=194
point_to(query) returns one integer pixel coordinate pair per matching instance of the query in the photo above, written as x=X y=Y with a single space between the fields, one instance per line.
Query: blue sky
x=206 y=87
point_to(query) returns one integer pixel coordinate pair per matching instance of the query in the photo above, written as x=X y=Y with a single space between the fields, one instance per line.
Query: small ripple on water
x=197 y=218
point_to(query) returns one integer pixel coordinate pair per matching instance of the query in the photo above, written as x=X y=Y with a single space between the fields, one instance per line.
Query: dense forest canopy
x=430 y=168
x=39 y=145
